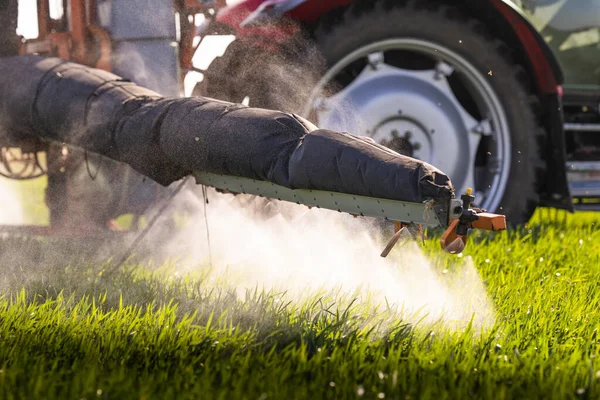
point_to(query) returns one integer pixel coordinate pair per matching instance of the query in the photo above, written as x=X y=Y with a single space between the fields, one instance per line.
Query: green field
x=72 y=330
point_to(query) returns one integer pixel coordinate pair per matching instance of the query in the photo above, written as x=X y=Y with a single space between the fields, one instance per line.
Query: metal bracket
x=432 y=213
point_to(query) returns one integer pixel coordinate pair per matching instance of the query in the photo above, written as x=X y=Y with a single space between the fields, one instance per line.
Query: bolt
x=483 y=128
x=376 y=59
x=408 y=134
x=442 y=70
x=417 y=146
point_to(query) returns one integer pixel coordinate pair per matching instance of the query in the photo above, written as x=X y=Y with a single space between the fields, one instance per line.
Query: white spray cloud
x=302 y=251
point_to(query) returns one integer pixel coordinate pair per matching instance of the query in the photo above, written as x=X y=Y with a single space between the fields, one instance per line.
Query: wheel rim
x=447 y=115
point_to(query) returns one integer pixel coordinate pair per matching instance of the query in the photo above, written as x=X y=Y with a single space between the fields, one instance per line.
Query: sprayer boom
x=229 y=146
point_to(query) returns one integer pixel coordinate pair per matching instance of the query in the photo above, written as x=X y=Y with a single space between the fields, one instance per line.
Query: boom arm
x=223 y=145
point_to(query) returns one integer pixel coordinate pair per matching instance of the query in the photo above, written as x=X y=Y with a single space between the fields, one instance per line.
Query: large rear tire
x=430 y=81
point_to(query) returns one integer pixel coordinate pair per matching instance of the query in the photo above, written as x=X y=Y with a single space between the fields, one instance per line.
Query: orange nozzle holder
x=454 y=239
x=451 y=241
x=489 y=222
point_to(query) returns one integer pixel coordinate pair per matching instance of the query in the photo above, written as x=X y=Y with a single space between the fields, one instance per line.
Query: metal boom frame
x=431 y=213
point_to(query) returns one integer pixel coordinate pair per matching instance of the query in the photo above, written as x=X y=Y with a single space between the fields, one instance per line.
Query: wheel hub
x=405 y=137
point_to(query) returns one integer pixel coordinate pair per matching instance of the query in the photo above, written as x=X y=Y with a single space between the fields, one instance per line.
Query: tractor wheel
x=428 y=81
x=434 y=83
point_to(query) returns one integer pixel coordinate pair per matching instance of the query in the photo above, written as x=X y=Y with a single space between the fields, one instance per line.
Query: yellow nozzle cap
x=469 y=191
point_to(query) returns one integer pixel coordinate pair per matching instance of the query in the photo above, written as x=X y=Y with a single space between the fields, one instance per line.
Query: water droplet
x=361 y=391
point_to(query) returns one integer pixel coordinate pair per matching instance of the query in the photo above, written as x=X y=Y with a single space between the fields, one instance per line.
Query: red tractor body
x=246 y=16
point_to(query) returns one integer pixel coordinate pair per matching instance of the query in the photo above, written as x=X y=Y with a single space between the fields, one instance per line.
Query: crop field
x=73 y=330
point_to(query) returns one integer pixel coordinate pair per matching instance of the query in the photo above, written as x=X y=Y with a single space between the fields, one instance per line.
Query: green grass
x=81 y=332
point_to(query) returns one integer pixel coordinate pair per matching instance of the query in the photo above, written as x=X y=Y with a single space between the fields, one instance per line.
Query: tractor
x=504 y=96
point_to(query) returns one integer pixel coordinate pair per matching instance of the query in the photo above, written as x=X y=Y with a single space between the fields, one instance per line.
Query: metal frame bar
x=43 y=18
x=78 y=25
x=583 y=166
x=431 y=213
x=582 y=127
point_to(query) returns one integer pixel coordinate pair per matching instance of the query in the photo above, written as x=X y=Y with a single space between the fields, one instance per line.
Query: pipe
x=169 y=138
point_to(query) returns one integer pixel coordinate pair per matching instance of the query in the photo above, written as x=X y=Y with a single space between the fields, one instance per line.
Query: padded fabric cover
x=166 y=139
